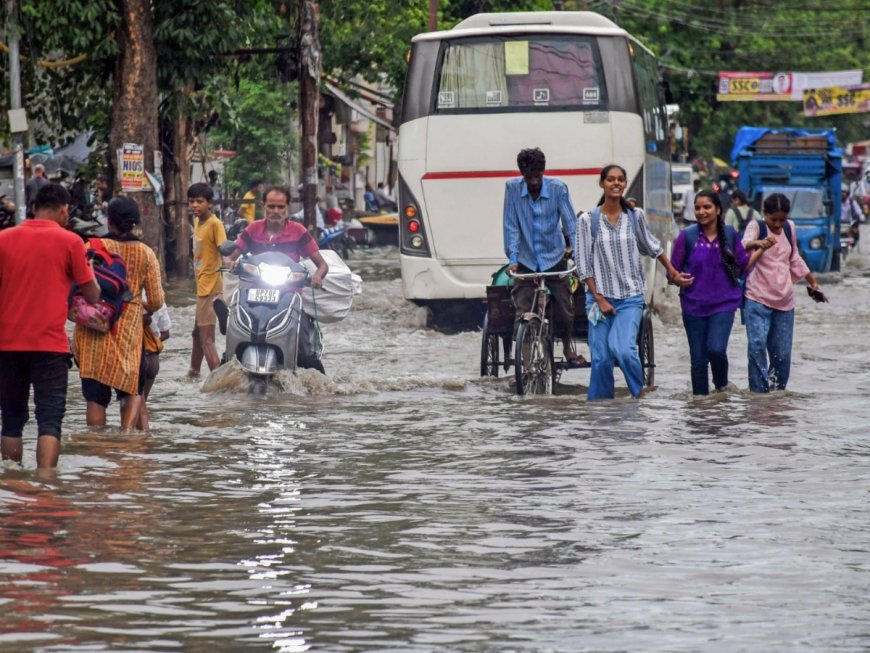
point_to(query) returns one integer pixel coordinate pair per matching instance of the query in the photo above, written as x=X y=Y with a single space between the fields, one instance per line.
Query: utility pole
x=433 y=15
x=15 y=103
x=310 y=63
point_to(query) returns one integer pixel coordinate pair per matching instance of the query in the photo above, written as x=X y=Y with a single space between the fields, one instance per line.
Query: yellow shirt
x=207 y=260
x=248 y=211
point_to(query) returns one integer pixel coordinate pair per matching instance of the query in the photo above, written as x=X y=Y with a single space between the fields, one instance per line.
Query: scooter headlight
x=274 y=275
x=817 y=242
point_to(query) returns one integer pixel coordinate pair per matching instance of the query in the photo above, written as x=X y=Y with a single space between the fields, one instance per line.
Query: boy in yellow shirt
x=208 y=235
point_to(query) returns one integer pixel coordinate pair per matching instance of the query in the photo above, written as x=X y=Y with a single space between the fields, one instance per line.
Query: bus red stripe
x=487 y=174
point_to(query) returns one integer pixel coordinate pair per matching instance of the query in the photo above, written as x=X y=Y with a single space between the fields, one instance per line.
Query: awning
x=368 y=113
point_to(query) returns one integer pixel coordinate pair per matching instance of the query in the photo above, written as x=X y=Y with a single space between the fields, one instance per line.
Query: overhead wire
x=698 y=18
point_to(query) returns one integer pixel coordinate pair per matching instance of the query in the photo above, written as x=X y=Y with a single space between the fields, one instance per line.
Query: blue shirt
x=533 y=228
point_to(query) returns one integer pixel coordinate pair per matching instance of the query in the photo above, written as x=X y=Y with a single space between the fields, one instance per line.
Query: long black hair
x=732 y=268
x=603 y=175
x=123 y=214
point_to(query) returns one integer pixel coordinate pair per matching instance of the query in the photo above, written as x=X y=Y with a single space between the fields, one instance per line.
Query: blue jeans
x=769 y=333
x=614 y=341
x=708 y=345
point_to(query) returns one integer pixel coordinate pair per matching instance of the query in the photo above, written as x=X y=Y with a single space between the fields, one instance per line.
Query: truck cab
x=806 y=166
x=817 y=238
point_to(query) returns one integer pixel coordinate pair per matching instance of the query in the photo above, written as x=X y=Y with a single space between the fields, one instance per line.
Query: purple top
x=711 y=291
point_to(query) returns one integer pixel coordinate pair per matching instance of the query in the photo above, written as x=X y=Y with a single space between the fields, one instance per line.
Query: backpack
x=762 y=232
x=693 y=232
x=741 y=221
x=111 y=274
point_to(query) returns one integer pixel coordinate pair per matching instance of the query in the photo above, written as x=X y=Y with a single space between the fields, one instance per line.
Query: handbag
x=98 y=317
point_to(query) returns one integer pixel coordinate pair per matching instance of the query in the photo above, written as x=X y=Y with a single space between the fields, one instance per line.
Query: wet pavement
x=404 y=503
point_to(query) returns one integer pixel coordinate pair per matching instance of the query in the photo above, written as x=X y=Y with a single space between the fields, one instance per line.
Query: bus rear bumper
x=425 y=279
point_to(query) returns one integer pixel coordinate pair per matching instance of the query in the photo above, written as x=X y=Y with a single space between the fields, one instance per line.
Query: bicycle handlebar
x=535 y=275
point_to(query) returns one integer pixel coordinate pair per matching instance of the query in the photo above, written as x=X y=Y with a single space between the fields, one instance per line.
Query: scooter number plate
x=263 y=295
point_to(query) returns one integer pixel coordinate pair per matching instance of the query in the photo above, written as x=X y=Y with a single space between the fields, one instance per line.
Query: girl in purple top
x=716 y=263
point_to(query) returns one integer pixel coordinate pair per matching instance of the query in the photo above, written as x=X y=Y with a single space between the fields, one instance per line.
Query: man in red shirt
x=277 y=233
x=39 y=263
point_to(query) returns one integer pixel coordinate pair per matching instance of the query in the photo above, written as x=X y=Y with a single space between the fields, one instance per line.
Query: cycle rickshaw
x=530 y=351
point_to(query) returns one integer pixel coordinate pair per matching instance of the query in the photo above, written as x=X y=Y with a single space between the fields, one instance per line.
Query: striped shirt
x=615 y=262
x=532 y=233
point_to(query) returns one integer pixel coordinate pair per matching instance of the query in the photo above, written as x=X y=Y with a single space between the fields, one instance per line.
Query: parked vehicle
x=7 y=213
x=682 y=186
x=87 y=223
x=265 y=326
x=805 y=166
x=337 y=239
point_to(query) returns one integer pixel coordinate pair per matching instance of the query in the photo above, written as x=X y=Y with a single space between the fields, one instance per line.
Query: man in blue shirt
x=538 y=217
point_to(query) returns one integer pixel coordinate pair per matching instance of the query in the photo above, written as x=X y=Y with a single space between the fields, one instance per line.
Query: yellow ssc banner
x=837 y=100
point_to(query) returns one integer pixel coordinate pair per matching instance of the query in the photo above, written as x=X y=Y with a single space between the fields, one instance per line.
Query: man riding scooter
x=277 y=233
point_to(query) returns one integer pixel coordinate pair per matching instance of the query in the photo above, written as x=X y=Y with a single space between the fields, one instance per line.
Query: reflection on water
x=404 y=503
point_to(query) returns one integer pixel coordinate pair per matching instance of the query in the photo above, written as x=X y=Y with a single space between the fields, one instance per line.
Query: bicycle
x=533 y=367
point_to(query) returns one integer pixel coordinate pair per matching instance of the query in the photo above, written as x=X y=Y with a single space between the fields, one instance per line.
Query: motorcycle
x=337 y=239
x=87 y=222
x=7 y=213
x=266 y=329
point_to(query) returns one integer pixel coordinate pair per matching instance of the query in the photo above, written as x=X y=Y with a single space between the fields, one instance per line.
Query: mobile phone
x=817 y=295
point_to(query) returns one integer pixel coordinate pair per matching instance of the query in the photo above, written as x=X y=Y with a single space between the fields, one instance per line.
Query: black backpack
x=787 y=228
x=741 y=221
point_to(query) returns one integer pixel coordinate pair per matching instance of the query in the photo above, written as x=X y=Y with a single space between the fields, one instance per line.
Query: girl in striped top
x=610 y=241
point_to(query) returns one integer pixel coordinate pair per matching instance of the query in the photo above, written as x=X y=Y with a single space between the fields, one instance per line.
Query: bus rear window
x=528 y=72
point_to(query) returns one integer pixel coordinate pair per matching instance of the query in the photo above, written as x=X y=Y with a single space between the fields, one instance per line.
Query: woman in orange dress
x=111 y=360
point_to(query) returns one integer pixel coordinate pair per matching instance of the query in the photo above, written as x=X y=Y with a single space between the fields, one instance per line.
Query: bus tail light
x=412 y=233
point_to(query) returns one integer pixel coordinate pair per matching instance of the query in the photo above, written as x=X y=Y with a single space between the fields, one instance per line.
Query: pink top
x=771 y=281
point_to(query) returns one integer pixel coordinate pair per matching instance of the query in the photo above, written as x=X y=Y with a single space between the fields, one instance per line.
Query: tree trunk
x=181 y=180
x=134 y=107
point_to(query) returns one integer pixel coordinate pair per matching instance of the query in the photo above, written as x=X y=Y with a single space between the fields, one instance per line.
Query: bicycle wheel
x=646 y=349
x=488 y=350
x=533 y=367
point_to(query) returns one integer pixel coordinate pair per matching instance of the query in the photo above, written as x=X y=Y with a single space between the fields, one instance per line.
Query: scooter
x=337 y=239
x=264 y=324
x=7 y=213
x=87 y=223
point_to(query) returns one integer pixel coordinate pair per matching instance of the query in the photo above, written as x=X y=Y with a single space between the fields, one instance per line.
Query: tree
x=258 y=127
x=694 y=42
x=126 y=62
x=134 y=109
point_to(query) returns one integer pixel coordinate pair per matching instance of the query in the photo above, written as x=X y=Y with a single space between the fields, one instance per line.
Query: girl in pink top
x=769 y=303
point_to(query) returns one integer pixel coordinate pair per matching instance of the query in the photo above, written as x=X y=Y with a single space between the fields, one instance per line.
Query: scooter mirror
x=227 y=247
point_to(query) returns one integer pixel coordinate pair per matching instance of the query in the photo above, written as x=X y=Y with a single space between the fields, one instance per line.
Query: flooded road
x=403 y=503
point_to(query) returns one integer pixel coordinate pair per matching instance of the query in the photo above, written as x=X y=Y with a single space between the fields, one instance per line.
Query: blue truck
x=805 y=165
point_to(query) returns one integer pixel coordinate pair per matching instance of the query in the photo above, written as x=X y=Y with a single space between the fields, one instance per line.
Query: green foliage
x=370 y=37
x=63 y=100
x=695 y=41
x=192 y=39
x=259 y=128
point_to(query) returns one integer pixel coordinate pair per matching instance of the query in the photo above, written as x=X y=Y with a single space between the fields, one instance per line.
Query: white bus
x=572 y=83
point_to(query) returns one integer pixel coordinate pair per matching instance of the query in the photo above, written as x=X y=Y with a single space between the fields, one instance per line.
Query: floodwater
x=404 y=503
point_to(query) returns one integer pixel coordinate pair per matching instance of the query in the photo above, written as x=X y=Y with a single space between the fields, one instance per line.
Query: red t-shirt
x=39 y=261
x=294 y=240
